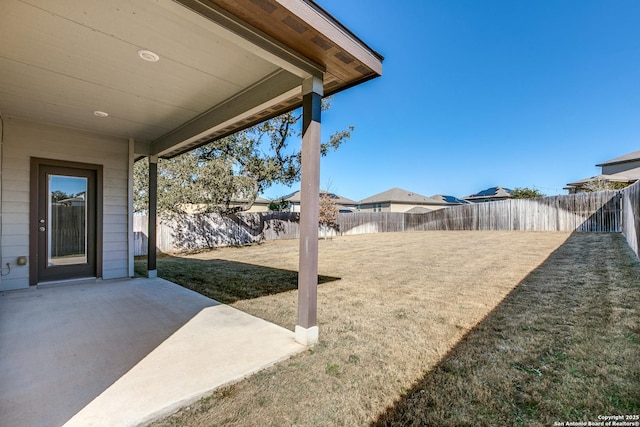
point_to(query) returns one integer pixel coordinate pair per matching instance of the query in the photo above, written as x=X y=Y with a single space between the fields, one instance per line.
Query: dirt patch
x=391 y=347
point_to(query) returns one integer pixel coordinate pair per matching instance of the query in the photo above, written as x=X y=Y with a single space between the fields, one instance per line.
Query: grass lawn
x=434 y=328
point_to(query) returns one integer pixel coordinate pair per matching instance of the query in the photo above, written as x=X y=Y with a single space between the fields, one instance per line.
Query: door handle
x=42 y=229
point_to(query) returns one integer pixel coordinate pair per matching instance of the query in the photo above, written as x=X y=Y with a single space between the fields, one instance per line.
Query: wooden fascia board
x=334 y=31
x=272 y=90
x=256 y=41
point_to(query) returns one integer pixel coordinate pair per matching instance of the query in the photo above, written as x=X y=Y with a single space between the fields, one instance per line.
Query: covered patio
x=123 y=352
x=87 y=88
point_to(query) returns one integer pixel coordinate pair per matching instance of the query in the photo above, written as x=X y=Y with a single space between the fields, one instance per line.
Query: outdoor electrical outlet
x=22 y=260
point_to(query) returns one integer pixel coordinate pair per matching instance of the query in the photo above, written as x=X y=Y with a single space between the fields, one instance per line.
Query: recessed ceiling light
x=147 y=55
x=100 y=113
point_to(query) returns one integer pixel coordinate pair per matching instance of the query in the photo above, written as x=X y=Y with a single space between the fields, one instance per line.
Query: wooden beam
x=264 y=94
x=307 y=328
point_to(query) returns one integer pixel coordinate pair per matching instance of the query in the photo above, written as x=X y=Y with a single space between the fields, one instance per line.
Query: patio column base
x=307 y=336
x=152 y=274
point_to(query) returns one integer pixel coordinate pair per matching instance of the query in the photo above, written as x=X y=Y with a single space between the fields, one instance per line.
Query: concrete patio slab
x=123 y=353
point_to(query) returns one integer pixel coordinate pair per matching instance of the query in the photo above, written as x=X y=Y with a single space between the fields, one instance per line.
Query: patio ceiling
x=224 y=65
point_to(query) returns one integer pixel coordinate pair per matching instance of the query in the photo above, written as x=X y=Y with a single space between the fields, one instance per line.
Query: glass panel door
x=66 y=223
x=67 y=220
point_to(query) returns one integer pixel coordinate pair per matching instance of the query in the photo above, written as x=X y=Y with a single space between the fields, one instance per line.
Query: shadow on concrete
x=525 y=363
x=225 y=281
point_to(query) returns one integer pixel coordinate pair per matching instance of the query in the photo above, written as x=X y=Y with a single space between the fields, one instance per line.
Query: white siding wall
x=23 y=140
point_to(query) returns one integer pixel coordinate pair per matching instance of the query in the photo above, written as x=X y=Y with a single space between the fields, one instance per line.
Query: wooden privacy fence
x=576 y=212
x=199 y=231
x=631 y=216
x=68 y=234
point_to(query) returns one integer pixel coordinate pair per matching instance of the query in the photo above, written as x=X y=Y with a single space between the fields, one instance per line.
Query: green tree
x=58 y=195
x=279 y=205
x=227 y=175
x=526 y=193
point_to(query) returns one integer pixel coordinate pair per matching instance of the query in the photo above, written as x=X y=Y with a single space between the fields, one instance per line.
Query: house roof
x=626 y=176
x=449 y=200
x=295 y=198
x=630 y=157
x=492 y=192
x=61 y=61
x=398 y=195
x=258 y=201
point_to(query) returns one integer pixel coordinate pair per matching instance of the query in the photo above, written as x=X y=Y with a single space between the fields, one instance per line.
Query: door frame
x=36 y=163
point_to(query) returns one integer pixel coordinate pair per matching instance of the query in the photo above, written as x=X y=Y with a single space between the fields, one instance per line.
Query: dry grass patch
x=391 y=327
x=562 y=347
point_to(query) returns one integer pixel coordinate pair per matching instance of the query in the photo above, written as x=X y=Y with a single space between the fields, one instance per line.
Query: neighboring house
x=624 y=169
x=259 y=205
x=399 y=200
x=90 y=86
x=344 y=205
x=490 y=195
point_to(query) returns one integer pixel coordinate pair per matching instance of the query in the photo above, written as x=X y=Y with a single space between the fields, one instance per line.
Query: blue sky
x=67 y=184
x=518 y=93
